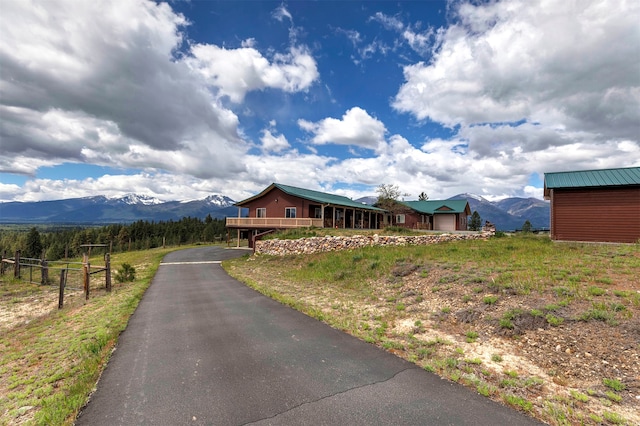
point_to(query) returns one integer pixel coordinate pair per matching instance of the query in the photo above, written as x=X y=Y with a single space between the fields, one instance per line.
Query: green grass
x=612 y=396
x=614 y=418
x=518 y=402
x=579 y=396
x=553 y=320
x=614 y=384
x=595 y=291
x=490 y=300
x=67 y=349
x=472 y=336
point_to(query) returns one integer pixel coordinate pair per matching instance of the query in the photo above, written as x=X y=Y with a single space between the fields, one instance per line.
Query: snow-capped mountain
x=219 y=201
x=133 y=199
x=100 y=209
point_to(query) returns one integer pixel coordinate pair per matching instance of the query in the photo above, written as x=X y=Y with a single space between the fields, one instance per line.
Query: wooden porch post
x=238 y=243
x=333 y=223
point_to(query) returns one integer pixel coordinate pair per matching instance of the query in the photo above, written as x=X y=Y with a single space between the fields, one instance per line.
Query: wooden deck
x=272 y=222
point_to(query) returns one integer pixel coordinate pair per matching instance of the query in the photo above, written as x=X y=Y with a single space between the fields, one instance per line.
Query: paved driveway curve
x=203 y=349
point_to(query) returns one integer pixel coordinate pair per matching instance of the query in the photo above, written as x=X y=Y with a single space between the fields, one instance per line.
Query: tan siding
x=610 y=215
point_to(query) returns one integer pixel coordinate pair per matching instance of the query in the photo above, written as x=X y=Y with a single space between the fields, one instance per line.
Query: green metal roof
x=438 y=206
x=317 y=196
x=593 y=178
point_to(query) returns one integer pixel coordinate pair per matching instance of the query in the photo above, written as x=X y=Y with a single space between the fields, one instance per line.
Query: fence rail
x=43 y=267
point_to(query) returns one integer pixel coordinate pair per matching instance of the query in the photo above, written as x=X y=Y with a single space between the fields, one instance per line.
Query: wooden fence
x=39 y=270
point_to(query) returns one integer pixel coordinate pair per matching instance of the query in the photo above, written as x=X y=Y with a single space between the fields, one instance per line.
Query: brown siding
x=414 y=220
x=607 y=215
x=275 y=201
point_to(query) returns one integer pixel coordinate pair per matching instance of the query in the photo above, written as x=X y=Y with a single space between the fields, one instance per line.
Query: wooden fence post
x=16 y=266
x=85 y=270
x=62 y=285
x=4 y=256
x=44 y=271
x=107 y=270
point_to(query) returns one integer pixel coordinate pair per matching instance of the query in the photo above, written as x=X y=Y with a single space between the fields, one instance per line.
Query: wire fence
x=66 y=274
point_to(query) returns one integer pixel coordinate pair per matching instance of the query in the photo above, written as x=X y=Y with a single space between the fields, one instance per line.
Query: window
x=317 y=213
x=261 y=212
x=400 y=218
x=290 y=212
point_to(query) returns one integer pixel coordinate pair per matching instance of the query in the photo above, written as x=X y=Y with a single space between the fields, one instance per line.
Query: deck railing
x=272 y=222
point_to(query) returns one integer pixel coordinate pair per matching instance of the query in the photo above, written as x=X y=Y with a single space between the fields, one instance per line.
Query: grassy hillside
x=550 y=329
x=50 y=360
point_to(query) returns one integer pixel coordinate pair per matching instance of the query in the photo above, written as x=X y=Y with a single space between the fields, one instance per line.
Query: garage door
x=444 y=222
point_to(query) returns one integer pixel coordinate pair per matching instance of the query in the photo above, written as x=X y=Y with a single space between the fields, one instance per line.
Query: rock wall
x=322 y=244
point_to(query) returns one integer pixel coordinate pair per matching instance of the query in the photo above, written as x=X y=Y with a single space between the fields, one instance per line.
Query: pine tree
x=34 y=244
x=475 y=224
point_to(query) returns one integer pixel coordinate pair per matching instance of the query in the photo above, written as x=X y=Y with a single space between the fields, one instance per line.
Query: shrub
x=126 y=273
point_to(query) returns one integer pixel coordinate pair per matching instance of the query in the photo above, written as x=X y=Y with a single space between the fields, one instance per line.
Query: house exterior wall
x=438 y=222
x=596 y=214
x=308 y=213
x=461 y=222
x=276 y=201
x=413 y=220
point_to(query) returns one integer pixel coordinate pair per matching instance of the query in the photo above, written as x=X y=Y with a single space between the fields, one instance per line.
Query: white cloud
x=273 y=143
x=98 y=82
x=420 y=41
x=566 y=64
x=234 y=72
x=356 y=128
x=101 y=82
x=281 y=12
x=528 y=86
x=164 y=186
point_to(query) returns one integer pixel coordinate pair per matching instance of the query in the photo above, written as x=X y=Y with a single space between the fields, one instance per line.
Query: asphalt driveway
x=204 y=349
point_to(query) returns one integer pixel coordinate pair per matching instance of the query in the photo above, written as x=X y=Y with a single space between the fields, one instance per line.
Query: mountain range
x=510 y=213
x=507 y=214
x=102 y=210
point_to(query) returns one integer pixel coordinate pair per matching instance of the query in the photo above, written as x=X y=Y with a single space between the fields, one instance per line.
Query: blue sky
x=181 y=100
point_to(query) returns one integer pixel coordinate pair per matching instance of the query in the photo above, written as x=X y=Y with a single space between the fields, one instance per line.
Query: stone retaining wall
x=321 y=244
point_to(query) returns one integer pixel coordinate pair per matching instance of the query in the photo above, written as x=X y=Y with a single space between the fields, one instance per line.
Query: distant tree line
x=141 y=235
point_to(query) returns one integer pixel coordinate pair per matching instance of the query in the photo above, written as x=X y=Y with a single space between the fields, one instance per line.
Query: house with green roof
x=595 y=205
x=282 y=206
x=437 y=215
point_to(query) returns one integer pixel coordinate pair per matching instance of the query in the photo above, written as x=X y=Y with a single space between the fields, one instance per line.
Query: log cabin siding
x=596 y=214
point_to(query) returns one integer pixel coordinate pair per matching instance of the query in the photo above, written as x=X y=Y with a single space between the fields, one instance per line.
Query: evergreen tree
x=423 y=196
x=475 y=224
x=34 y=244
x=526 y=227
